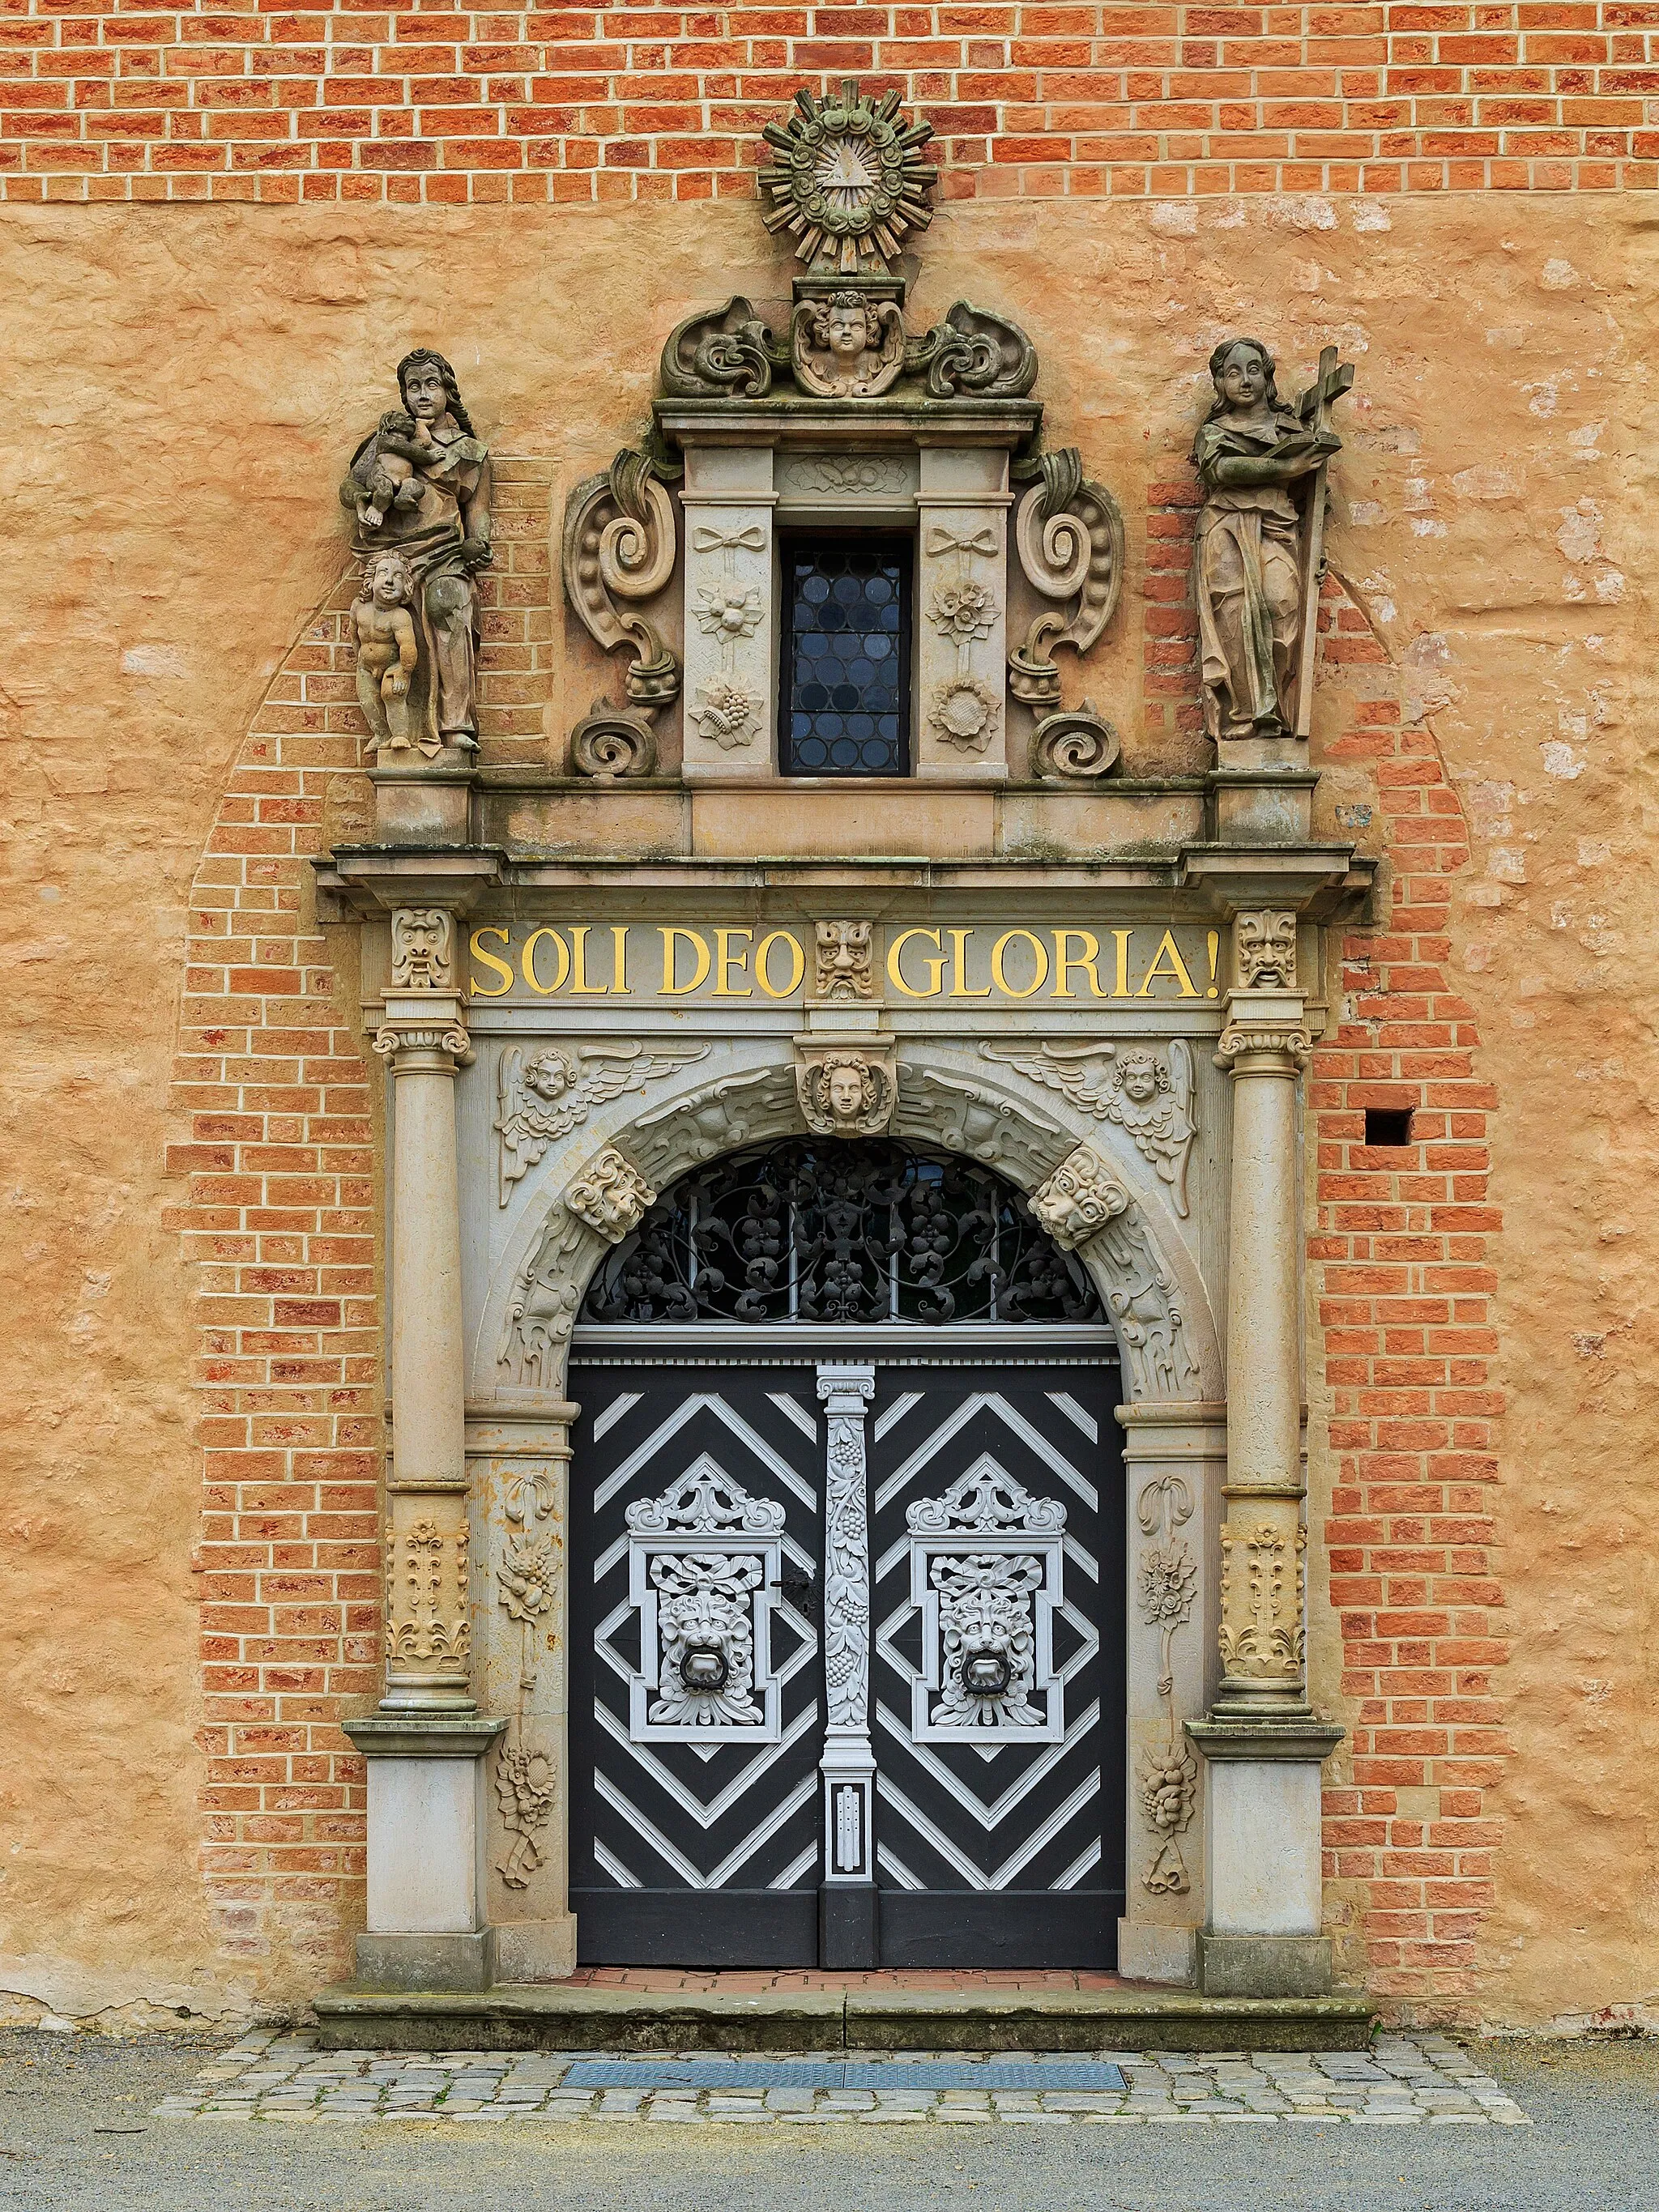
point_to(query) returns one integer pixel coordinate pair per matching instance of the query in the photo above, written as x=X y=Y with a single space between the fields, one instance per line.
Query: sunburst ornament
x=849 y=181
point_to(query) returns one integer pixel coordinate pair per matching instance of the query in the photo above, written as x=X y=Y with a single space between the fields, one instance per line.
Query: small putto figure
x=1252 y=556
x=846 y=346
x=401 y=445
x=386 y=653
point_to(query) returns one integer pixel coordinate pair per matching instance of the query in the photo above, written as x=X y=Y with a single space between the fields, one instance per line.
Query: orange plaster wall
x=191 y=382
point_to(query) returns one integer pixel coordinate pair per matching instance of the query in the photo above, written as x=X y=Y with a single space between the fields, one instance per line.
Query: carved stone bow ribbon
x=706 y=538
x=942 y=539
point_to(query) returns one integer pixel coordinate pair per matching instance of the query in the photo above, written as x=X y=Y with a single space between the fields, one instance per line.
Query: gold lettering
x=1176 y=973
x=1065 y=962
x=492 y=961
x=619 y=975
x=579 y=963
x=1039 y=953
x=959 y=967
x=727 y=961
x=797 y=963
x=527 y=962
x=671 y=936
x=1121 y=981
x=934 y=962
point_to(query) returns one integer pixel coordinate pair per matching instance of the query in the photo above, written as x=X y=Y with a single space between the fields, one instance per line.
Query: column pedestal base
x=1263 y=1854
x=1156 y=1950
x=426 y=1823
x=465 y=1961
x=1264 y=1965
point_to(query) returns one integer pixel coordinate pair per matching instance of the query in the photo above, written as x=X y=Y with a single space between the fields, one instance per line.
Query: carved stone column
x=424 y=1748
x=1264 y=1746
x=848 y=1931
x=423 y=1037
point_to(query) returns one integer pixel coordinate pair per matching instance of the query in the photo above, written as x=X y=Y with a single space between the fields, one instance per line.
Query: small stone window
x=844 y=693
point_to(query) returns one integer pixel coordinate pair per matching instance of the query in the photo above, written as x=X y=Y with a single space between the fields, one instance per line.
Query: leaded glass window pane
x=846 y=659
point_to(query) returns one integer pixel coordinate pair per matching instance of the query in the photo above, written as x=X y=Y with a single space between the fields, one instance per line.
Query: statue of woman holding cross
x=1260 y=552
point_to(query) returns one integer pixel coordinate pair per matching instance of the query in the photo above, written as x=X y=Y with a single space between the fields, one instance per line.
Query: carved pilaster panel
x=848 y=1764
x=731 y=643
x=962 y=616
x=428 y=1630
x=1166 y=1588
x=1263 y=1589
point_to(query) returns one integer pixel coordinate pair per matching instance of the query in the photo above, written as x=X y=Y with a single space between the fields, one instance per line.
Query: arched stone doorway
x=847 y=1524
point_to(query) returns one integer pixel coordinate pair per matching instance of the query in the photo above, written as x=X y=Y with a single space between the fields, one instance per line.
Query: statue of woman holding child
x=419 y=486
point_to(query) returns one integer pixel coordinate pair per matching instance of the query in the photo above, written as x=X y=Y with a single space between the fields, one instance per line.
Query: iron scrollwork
x=866 y=1232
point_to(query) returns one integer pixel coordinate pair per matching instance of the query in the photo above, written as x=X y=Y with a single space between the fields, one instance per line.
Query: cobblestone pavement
x=1426 y=2080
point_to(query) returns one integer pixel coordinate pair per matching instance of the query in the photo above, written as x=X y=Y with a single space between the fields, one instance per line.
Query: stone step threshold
x=577 y=2016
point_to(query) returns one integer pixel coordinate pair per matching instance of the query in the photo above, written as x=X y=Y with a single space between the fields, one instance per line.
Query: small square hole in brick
x=1388 y=1125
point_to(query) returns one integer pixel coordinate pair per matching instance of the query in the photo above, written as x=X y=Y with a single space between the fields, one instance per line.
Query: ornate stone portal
x=1125 y=1044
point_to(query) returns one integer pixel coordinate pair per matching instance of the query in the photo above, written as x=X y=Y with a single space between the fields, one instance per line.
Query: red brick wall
x=278 y=1140
x=124 y=100
x=1401 y=1263
x=1401 y=1255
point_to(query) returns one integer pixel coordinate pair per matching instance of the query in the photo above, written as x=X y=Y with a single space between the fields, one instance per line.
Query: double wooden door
x=847 y=1666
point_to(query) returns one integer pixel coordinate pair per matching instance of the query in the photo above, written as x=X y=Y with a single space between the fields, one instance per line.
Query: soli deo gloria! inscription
x=989 y=962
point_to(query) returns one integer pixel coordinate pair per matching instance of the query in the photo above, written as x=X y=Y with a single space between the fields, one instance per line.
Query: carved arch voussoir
x=1148 y=1280
x=539 y=1283
x=1148 y=1277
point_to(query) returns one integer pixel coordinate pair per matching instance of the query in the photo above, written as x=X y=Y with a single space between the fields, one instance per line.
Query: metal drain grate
x=895 y=2073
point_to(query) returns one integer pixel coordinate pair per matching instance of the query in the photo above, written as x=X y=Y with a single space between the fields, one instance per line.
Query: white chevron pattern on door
x=996 y=1697
x=996 y=1493
x=695 y=1508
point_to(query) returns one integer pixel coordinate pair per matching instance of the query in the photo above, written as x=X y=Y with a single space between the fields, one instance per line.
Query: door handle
x=801 y=1590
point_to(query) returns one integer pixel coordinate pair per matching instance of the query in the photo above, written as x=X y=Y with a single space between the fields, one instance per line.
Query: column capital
x=1265 y=1034
x=433 y=1041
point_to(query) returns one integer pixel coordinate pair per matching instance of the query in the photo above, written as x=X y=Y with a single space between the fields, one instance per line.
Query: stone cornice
x=1325 y=882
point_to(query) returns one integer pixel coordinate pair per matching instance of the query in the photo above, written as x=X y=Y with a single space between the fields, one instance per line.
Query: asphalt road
x=1595 y=2149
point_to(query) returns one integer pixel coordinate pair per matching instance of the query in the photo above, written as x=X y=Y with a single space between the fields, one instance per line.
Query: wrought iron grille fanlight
x=872 y=1232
